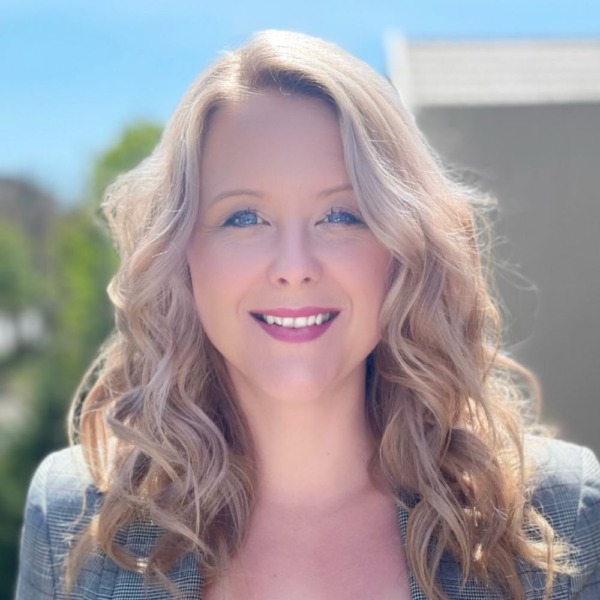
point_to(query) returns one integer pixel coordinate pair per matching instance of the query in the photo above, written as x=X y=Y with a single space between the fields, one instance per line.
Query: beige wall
x=543 y=165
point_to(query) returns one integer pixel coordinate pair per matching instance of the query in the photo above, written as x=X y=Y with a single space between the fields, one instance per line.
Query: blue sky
x=73 y=74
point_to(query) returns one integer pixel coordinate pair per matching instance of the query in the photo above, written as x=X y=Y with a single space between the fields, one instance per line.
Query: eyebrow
x=233 y=193
x=345 y=187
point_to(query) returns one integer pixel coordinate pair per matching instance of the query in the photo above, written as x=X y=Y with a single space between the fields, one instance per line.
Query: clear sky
x=74 y=73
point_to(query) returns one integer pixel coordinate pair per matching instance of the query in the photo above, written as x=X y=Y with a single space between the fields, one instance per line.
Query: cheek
x=219 y=274
x=371 y=271
x=214 y=300
x=376 y=268
x=225 y=258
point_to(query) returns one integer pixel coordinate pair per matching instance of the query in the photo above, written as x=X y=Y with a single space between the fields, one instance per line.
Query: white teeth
x=298 y=322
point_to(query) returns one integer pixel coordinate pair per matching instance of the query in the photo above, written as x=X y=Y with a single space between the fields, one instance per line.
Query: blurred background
x=506 y=91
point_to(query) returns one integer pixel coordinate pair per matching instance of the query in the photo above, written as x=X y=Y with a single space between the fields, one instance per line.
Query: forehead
x=270 y=110
x=270 y=134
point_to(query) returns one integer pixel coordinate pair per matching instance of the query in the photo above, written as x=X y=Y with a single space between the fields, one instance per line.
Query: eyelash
x=230 y=221
x=349 y=218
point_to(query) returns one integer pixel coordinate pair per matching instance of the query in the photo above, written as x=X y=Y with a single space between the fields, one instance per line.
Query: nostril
x=292 y=269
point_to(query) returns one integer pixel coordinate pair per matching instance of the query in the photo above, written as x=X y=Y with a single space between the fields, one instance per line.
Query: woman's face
x=287 y=278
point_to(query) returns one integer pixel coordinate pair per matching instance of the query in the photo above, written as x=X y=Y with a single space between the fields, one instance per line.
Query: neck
x=311 y=453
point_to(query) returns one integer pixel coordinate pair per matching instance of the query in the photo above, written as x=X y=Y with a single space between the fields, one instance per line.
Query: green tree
x=82 y=261
x=135 y=143
x=17 y=277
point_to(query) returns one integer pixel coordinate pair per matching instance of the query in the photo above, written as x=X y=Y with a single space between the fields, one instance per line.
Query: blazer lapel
x=129 y=585
x=449 y=571
x=416 y=593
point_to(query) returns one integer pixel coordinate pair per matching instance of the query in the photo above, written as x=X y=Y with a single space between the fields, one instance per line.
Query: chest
x=355 y=553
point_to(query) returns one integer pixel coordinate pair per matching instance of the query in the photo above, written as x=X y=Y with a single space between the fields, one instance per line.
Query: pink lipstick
x=295 y=325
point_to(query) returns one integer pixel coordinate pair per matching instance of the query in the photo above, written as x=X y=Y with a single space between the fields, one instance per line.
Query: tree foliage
x=135 y=143
x=18 y=280
x=80 y=261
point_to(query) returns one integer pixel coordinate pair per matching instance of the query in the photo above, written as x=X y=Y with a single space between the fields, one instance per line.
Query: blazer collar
x=416 y=593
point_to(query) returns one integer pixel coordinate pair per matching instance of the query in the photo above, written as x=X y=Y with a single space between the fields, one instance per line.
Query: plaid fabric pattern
x=61 y=499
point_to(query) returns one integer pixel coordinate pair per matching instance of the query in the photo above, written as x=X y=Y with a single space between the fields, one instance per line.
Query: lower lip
x=293 y=335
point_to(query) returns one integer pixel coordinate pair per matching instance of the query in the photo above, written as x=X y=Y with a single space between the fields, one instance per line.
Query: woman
x=304 y=396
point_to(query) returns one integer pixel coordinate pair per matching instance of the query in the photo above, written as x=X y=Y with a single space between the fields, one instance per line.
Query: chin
x=303 y=384
x=293 y=380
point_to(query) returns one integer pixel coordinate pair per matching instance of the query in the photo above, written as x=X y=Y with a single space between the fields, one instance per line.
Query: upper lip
x=305 y=311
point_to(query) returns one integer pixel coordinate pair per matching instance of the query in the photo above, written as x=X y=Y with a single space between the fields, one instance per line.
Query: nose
x=294 y=260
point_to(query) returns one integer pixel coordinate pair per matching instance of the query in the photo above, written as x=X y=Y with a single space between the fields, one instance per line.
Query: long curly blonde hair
x=160 y=427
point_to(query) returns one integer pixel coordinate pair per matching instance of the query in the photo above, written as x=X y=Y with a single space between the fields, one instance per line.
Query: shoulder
x=565 y=481
x=62 y=475
x=62 y=489
x=60 y=502
x=566 y=490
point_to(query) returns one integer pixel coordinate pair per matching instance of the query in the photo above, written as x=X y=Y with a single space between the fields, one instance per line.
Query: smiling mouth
x=295 y=322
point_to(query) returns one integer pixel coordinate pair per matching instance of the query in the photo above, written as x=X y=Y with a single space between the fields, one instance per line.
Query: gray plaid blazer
x=568 y=494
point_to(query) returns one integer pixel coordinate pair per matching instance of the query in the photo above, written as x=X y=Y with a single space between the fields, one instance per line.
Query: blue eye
x=342 y=217
x=243 y=218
